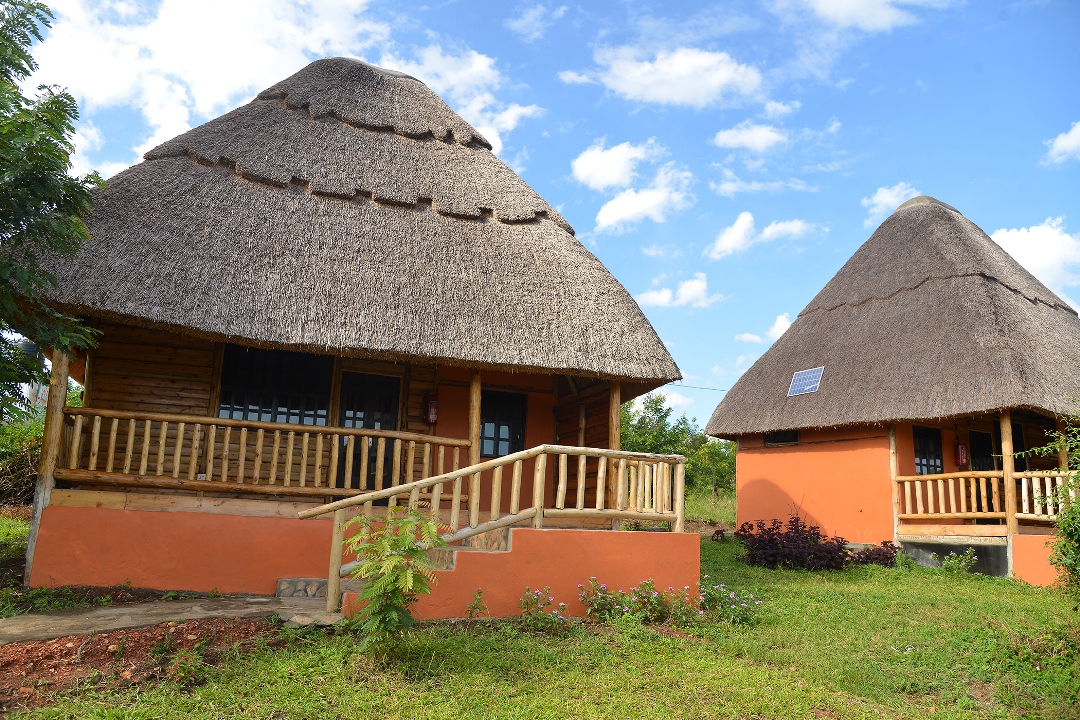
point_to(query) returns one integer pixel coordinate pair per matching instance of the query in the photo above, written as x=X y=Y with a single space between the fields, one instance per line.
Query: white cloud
x=1047 y=252
x=669 y=190
x=693 y=293
x=574 y=78
x=534 y=22
x=865 y=15
x=741 y=234
x=673 y=399
x=756 y=138
x=684 y=76
x=109 y=54
x=775 y=109
x=468 y=82
x=1065 y=146
x=87 y=139
x=886 y=199
x=731 y=185
x=655 y=250
x=600 y=168
x=834 y=127
x=778 y=328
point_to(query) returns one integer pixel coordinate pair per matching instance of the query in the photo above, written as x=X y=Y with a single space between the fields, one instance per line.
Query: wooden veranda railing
x=952 y=496
x=623 y=486
x=1039 y=496
x=111 y=447
x=975 y=495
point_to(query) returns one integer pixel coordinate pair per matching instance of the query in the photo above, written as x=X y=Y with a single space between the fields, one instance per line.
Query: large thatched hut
x=891 y=407
x=333 y=290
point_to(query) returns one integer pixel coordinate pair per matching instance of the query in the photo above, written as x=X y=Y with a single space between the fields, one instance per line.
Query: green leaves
x=391 y=555
x=710 y=463
x=42 y=208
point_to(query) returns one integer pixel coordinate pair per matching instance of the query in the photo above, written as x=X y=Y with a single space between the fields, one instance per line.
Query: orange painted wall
x=837 y=479
x=176 y=550
x=561 y=559
x=1031 y=560
x=539 y=422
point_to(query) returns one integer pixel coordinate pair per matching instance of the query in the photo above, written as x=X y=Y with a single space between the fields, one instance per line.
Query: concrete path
x=295 y=612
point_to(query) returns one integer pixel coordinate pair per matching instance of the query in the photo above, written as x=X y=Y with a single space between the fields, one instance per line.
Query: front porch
x=196 y=502
x=1005 y=507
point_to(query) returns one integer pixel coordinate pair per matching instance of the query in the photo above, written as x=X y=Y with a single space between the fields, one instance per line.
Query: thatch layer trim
x=899 y=341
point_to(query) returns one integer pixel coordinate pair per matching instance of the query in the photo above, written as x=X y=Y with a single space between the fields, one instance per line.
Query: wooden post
x=581 y=425
x=615 y=416
x=615 y=433
x=50 y=449
x=474 y=447
x=1007 y=465
x=894 y=470
x=680 y=497
x=1063 y=451
x=333 y=580
x=539 y=480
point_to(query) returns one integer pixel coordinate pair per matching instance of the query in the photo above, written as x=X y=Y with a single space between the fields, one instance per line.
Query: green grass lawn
x=701 y=505
x=861 y=643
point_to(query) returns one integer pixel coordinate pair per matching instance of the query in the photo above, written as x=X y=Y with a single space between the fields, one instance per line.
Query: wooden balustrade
x=1041 y=494
x=963 y=495
x=622 y=486
x=109 y=447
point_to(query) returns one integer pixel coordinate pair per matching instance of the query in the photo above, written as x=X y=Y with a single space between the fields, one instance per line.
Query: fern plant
x=392 y=562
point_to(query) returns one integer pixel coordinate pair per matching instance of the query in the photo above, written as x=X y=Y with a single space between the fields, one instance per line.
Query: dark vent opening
x=784 y=437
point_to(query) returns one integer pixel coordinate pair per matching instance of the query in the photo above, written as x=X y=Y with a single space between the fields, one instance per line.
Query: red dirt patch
x=29 y=671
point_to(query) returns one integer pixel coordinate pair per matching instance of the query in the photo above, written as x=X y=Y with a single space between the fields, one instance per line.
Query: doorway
x=371 y=402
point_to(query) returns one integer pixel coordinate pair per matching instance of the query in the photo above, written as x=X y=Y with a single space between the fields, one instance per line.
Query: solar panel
x=805 y=381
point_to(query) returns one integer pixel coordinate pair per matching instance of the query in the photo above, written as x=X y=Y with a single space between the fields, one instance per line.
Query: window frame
x=919 y=436
x=264 y=386
x=497 y=408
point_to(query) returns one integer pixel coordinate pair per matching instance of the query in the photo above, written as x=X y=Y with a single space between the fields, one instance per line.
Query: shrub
x=884 y=555
x=20 y=448
x=798 y=545
x=956 y=564
x=392 y=561
x=187 y=668
x=477 y=606
x=536 y=615
x=677 y=607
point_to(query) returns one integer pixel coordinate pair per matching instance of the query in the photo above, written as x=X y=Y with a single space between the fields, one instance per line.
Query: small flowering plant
x=187 y=669
x=683 y=607
x=957 y=564
x=538 y=615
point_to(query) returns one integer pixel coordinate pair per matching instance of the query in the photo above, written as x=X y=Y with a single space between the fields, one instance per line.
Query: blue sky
x=723 y=160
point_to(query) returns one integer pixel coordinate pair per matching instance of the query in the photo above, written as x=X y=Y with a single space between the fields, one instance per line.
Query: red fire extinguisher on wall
x=431 y=408
x=961 y=454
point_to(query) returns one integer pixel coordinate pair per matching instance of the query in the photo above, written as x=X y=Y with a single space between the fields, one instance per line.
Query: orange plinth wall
x=836 y=479
x=243 y=554
x=561 y=559
x=1031 y=560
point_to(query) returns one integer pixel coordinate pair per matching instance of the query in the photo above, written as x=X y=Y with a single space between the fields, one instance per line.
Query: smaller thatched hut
x=892 y=406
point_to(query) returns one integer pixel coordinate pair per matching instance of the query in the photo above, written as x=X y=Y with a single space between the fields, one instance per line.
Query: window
x=928 y=459
x=982 y=451
x=784 y=437
x=1019 y=463
x=275 y=386
x=502 y=423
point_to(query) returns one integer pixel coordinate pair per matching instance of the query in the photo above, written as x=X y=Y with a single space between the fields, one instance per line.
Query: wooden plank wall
x=151 y=371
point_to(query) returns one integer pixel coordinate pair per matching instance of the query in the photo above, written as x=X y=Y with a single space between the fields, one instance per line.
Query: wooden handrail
x=260 y=425
x=952 y=476
x=645 y=487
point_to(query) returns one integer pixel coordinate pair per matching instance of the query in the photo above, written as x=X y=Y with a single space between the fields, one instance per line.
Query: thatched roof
x=929 y=319
x=348 y=209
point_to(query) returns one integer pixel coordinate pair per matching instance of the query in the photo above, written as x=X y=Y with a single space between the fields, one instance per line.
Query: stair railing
x=621 y=485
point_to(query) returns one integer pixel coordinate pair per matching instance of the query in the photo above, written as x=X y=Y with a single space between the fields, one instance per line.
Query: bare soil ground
x=31 y=671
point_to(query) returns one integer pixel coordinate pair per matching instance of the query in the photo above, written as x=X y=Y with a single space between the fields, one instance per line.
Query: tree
x=710 y=463
x=42 y=207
